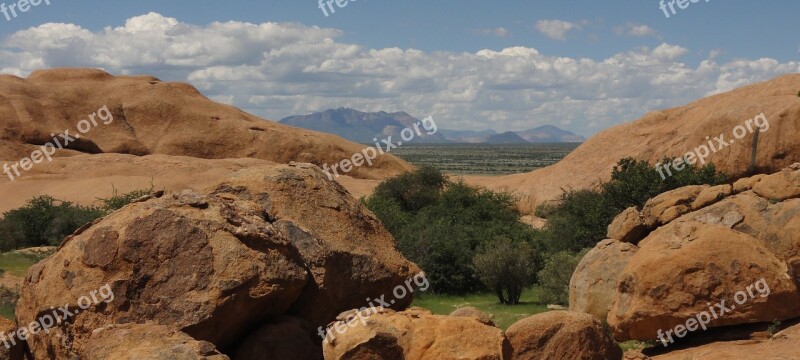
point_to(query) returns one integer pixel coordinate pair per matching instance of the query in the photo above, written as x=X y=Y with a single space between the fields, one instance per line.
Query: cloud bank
x=279 y=69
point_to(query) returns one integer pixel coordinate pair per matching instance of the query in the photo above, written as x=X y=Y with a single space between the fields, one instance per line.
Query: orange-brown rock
x=217 y=263
x=746 y=183
x=684 y=267
x=415 y=335
x=670 y=205
x=783 y=345
x=673 y=133
x=594 y=282
x=780 y=186
x=284 y=338
x=711 y=195
x=473 y=312
x=628 y=226
x=155 y=117
x=146 y=341
x=11 y=347
x=561 y=335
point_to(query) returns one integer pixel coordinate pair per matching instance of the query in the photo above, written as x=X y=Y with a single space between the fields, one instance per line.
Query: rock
x=11 y=347
x=285 y=338
x=628 y=226
x=684 y=267
x=783 y=345
x=415 y=335
x=469 y=311
x=144 y=116
x=779 y=186
x=711 y=195
x=146 y=341
x=670 y=205
x=672 y=133
x=217 y=263
x=561 y=335
x=745 y=184
x=594 y=282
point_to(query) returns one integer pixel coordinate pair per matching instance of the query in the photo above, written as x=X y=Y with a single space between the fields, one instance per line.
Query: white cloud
x=280 y=69
x=556 y=29
x=499 y=32
x=635 y=30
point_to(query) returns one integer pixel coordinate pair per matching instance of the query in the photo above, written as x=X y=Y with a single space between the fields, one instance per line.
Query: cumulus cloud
x=635 y=30
x=556 y=29
x=280 y=69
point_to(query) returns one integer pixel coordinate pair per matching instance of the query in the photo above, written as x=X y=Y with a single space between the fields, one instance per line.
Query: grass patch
x=504 y=315
x=17 y=264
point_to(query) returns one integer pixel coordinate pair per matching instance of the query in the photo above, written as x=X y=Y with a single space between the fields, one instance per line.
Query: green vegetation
x=440 y=224
x=8 y=301
x=581 y=217
x=17 y=264
x=45 y=221
x=554 y=277
x=503 y=315
x=506 y=268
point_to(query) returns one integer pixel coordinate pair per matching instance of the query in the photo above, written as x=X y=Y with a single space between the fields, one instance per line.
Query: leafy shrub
x=45 y=221
x=116 y=201
x=554 y=277
x=506 y=268
x=440 y=224
x=580 y=218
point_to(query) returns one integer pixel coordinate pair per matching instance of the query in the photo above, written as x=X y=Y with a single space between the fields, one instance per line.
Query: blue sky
x=581 y=65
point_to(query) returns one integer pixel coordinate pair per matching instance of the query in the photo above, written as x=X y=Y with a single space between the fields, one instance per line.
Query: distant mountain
x=467 y=136
x=508 y=137
x=549 y=134
x=361 y=126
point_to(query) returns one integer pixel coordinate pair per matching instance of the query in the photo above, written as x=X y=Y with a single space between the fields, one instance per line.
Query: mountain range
x=363 y=127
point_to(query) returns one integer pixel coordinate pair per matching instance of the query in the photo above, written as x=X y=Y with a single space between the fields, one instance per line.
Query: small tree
x=555 y=276
x=506 y=268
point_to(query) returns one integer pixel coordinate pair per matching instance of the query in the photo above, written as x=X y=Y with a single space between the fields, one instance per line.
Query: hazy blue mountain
x=362 y=126
x=549 y=134
x=508 y=137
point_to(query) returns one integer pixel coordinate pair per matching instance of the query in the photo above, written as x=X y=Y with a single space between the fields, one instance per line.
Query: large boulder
x=414 y=335
x=475 y=313
x=270 y=241
x=685 y=267
x=670 y=205
x=783 y=345
x=11 y=347
x=147 y=341
x=594 y=282
x=561 y=335
x=284 y=338
x=628 y=226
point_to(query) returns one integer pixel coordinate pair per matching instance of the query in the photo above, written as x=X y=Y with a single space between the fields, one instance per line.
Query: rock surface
x=284 y=338
x=11 y=350
x=155 y=117
x=475 y=313
x=784 y=345
x=561 y=335
x=672 y=133
x=267 y=242
x=594 y=282
x=628 y=226
x=416 y=335
x=147 y=341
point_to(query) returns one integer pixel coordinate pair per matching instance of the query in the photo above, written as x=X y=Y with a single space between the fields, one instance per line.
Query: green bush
x=580 y=219
x=554 y=277
x=45 y=221
x=440 y=224
x=505 y=268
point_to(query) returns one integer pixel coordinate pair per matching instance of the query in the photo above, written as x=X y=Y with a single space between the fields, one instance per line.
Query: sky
x=508 y=65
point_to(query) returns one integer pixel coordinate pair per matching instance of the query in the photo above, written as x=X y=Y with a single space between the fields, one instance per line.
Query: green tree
x=506 y=268
x=555 y=276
